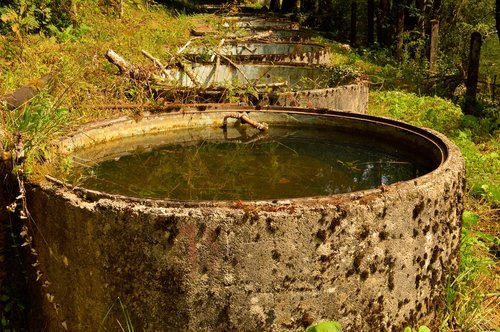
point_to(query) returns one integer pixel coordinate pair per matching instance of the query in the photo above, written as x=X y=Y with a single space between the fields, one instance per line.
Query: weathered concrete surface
x=264 y=24
x=295 y=75
x=280 y=35
x=305 y=86
x=276 y=53
x=347 y=98
x=375 y=260
x=300 y=35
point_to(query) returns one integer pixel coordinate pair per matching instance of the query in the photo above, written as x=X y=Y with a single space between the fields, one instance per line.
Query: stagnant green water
x=285 y=163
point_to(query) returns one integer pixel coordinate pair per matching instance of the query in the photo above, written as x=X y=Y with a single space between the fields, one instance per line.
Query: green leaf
x=9 y=16
x=470 y=218
x=7 y=307
x=424 y=328
x=326 y=326
x=407 y=329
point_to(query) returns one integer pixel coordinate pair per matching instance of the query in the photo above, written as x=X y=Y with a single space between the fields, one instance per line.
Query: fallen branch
x=243 y=117
x=184 y=47
x=217 y=49
x=158 y=63
x=260 y=35
x=127 y=68
x=235 y=66
x=217 y=62
x=23 y=95
x=249 y=49
x=271 y=85
x=189 y=72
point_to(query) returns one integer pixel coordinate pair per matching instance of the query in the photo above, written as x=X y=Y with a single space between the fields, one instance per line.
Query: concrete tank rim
x=451 y=158
x=260 y=58
x=272 y=42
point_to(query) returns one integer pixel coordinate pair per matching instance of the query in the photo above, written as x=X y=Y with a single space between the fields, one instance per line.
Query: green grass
x=123 y=324
x=472 y=295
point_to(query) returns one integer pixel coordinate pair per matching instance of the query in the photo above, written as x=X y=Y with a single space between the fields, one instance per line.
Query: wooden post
x=371 y=22
x=473 y=72
x=354 y=18
x=433 y=55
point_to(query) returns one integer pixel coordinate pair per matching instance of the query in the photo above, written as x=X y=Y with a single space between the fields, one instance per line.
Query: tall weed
x=465 y=293
x=431 y=112
x=38 y=123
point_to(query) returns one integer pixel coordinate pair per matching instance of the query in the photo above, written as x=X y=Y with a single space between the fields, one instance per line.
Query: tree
x=384 y=35
x=371 y=22
x=309 y=6
x=274 y=5
x=289 y=6
x=399 y=31
x=497 y=17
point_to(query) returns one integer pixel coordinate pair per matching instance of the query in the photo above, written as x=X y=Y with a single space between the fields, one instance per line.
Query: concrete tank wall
x=260 y=72
x=375 y=260
x=276 y=53
x=347 y=98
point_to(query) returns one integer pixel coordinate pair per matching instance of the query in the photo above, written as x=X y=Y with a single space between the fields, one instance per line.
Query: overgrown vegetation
x=69 y=39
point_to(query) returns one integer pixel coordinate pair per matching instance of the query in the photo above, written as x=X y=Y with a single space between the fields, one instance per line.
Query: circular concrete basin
x=376 y=259
x=296 y=77
x=285 y=35
x=263 y=24
x=276 y=53
x=284 y=85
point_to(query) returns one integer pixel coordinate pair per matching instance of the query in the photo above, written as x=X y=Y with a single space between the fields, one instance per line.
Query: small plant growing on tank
x=422 y=328
x=240 y=92
x=325 y=326
x=343 y=74
x=306 y=83
x=127 y=325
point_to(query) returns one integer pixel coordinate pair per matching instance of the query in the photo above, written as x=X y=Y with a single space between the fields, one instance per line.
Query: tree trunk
x=305 y=6
x=289 y=6
x=315 y=6
x=354 y=18
x=400 y=27
x=371 y=22
x=497 y=17
x=421 y=4
x=275 y=5
x=472 y=72
x=383 y=25
x=436 y=6
x=309 y=6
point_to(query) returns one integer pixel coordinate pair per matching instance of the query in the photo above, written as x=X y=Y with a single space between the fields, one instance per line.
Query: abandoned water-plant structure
x=192 y=264
x=372 y=257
